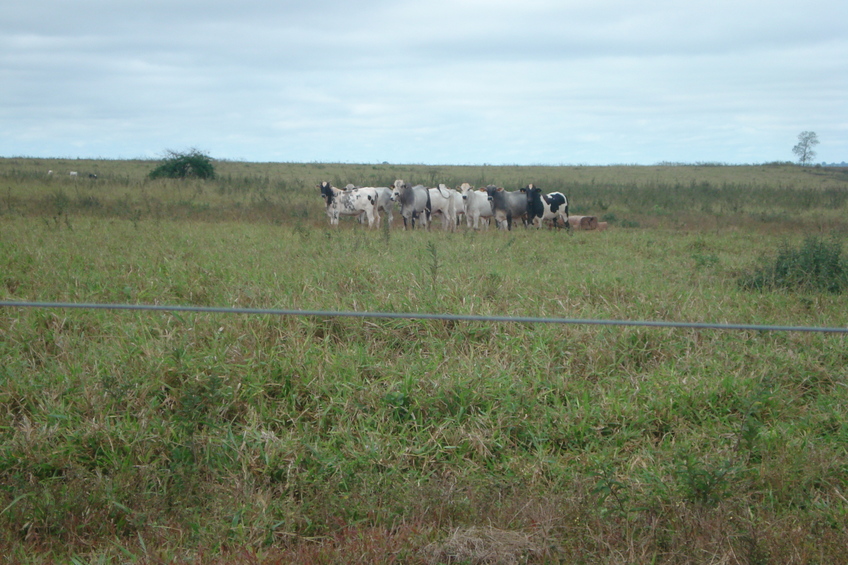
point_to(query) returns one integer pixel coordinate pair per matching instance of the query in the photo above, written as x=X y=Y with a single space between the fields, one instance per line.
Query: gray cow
x=507 y=206
x=414 y=203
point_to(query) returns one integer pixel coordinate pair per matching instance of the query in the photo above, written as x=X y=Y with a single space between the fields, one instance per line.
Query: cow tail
x=429 y=207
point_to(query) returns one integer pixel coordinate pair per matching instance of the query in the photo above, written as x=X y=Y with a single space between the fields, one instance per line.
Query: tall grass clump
x=817 y=265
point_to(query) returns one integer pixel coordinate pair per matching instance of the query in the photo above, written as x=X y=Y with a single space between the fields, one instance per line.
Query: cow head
x=465 y=188
x=396 y=188
x=532 y=192
x=491 y=189
x=326 y=192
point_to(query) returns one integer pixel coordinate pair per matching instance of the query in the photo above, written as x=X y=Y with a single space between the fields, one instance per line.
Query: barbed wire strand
x=418 y=316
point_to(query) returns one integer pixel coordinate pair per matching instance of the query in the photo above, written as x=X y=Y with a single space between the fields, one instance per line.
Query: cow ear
x=500 y=189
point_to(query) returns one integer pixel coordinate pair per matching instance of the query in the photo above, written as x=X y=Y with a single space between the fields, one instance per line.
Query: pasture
x=212 y=438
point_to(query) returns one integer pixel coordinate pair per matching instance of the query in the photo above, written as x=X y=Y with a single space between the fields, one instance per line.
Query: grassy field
x=213 y=438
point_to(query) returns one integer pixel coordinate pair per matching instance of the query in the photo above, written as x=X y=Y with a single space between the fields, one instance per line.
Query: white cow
x=442 y=202
x=458 y=205
x=349 y=203
x=74 y=175
x=477 y=206
x=384 y=202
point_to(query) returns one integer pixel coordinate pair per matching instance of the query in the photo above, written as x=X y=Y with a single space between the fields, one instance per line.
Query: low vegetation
x=816 y=265
x=166 y=437
x=182 y=165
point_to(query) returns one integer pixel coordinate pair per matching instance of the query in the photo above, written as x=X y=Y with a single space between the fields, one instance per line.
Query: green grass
x=770 y=197
x=209 y=438
x=816 y=265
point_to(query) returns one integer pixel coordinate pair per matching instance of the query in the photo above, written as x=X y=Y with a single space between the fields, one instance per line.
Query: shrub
x=816 y=265
x=705 y=484
x=178 y=165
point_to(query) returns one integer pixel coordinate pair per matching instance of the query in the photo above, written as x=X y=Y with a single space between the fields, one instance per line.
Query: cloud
x=461 y=81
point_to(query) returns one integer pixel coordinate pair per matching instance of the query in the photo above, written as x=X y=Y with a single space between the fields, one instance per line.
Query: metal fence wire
x=418 y=316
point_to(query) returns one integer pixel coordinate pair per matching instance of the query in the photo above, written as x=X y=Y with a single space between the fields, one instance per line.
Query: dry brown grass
x=486 y=546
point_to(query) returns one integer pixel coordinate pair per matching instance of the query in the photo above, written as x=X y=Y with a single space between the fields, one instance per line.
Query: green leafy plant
x=181 y=165
x=816 y=265
x=704 y=484
x=609 y=487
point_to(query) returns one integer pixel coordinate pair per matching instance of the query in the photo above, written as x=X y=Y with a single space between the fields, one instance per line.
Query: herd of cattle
x=419 y=204
x=73 y=175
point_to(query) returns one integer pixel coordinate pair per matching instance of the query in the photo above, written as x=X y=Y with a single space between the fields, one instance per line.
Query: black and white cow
x=349 y=203
x=507 y=206
x=477 y=206
x=384 y=203
x=414 y=203
x=541 y=207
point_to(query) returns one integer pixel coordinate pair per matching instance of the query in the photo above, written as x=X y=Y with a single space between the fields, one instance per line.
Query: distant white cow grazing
x=442 y=202
x=351 y=202
x=49 y=173
x=73 y=174
x=477 y=206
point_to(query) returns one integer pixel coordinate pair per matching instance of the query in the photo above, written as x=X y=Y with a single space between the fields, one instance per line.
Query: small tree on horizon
x=804 y=149
x=180 y=165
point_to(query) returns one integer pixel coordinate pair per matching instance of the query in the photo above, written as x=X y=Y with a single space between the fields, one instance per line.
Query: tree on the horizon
x=804 y=149
x=181 y=165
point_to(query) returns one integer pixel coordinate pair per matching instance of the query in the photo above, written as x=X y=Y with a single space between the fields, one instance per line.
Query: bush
x=185 y=165
x=816 y=265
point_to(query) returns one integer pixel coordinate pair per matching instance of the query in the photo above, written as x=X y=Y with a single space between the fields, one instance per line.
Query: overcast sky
x=430 y=81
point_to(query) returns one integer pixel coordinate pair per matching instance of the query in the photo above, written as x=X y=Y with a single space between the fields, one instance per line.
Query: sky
x=461 y=82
